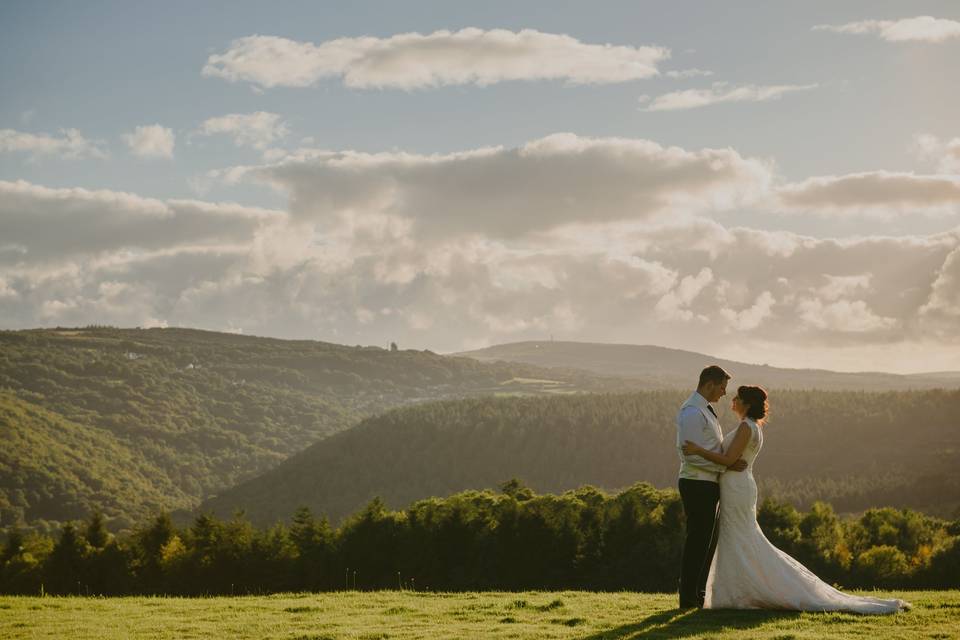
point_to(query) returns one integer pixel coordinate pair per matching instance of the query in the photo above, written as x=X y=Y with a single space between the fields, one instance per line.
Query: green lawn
x=406 y=614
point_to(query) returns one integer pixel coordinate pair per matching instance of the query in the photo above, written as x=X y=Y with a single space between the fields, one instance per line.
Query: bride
x=747 y=571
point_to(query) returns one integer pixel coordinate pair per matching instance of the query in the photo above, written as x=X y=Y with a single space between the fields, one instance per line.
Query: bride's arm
x=731 y=455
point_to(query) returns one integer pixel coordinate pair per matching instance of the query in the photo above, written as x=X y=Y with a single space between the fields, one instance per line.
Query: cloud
x=602 y=239
x=70 y=144
x=505 y=192
x=687 y=73
x=943 y=306
x=650 y=283
x=675 y=304
x=6 y=291
x=842 y=315
x=873 y=193
x=837 y=287
x=750 y=318
x=721 y=92
x=919 y=29
x=946 y=153
x=414 y=61
x=151 y=141
x=258 y=130
x=51 y=225
x=490 y=238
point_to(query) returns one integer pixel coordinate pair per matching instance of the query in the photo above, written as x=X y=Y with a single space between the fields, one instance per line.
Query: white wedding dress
x=750 y=573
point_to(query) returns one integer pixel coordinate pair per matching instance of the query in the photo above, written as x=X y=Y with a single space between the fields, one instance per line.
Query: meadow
x=404 y=614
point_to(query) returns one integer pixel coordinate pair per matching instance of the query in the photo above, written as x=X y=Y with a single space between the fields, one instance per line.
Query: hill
x=660 y=367
x=53 y=464
x=853 y=449
x=134 y=420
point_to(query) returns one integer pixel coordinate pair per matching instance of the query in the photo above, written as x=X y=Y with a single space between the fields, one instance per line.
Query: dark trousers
x=700 y=499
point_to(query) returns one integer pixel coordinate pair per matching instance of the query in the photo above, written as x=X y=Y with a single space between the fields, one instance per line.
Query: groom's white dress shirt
x=697 y=423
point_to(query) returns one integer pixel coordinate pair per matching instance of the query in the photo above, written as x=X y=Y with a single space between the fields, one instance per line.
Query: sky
x=775 y=183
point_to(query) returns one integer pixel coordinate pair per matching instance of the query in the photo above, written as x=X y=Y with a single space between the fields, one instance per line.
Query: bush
x=883 y=566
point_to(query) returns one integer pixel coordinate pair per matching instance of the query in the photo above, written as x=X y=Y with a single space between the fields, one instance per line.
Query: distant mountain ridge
x=662 y=367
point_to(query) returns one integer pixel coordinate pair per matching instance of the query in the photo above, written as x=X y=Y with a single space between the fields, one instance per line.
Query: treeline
x=841 y=447
x=475 y=540
x=190 y=413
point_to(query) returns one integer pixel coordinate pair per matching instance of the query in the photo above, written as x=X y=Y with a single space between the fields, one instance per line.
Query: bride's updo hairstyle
x=756 y=399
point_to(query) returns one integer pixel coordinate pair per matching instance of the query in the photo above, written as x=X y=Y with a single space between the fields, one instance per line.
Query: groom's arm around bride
x=699 y=491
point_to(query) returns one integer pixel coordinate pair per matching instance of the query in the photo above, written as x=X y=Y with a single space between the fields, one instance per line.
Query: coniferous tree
x=63 y=571
x=148 y=547
x=313 y=541
x=96 y=532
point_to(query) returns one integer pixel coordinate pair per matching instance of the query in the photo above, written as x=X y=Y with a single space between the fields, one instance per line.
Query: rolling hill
x=54 y=465
x=134 y=420
x=660 y=367
x=853 y=449
x=130 y=421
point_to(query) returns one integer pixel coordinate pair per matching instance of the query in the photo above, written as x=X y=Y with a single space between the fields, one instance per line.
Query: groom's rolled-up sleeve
x=693 y=427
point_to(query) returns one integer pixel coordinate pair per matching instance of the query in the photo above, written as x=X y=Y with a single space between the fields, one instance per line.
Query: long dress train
x=750 y=573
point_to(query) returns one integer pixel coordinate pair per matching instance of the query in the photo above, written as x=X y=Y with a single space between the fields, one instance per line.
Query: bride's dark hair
x=755 y=398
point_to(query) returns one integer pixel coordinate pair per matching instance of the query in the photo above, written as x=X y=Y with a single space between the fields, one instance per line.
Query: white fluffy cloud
x=589 y=239
x=258 y=130
x=687 y=73
x=750 y=318
x=44 y=225
x=413 y=60
x=650 y=284
x=721 y=92
x=6 y=291
x=675 y=305
x=69 y=144
x=873 y=193
x=837 y=287
x=945 y=153
x=942 y=309
x=919 y=29
x=843 y=315
x=151 y=140
x=568 y=179
x=546 y=183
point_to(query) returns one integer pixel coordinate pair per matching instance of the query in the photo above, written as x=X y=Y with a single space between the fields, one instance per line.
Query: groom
x=699 y=488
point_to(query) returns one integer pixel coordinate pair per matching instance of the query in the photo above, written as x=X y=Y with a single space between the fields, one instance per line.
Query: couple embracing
x=727 y=561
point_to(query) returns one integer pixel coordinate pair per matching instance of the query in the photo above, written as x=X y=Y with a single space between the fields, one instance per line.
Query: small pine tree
x=96 y=534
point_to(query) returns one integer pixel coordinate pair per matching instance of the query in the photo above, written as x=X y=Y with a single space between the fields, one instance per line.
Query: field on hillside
x=407 y=614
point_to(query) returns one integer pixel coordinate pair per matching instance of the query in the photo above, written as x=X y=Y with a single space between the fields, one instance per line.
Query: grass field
x=406 y=614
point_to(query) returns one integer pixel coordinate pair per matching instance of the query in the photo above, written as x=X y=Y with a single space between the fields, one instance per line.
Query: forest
x=130 y=421
x=855 y=450
x=510 y=539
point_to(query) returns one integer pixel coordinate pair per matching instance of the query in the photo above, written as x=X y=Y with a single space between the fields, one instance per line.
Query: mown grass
x=406 y=614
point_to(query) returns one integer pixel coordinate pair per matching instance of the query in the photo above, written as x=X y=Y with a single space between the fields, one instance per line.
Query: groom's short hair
x=713 y=373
